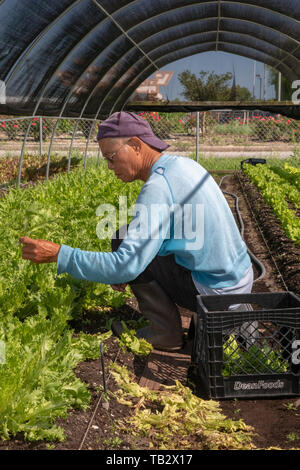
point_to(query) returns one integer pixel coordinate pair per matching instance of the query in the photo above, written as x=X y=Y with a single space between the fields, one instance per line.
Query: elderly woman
x=187 y=244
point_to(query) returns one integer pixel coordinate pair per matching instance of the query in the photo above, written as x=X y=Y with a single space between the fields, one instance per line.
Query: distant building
x=149 y=90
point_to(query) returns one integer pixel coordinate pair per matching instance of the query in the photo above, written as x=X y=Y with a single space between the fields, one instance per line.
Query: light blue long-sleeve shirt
x=180 y=210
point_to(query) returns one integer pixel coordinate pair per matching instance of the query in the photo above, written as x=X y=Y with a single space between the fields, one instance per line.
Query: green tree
x=211 y=87
x=208 y=87
x=242 y=93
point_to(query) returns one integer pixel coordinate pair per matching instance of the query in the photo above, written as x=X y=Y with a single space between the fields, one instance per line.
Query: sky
x=218 y=62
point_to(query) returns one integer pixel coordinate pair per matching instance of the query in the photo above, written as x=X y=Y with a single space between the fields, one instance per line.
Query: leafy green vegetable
x=254 y=360
x=279 y=191
x=37 y=380
x=138 y=346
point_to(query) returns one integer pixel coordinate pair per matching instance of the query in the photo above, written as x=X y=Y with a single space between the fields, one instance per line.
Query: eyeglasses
x=110 y=158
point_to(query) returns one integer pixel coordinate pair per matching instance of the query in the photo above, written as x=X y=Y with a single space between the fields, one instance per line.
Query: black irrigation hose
x=260 y=266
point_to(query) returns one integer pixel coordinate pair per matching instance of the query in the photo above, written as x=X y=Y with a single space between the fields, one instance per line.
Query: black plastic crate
x=252 y=351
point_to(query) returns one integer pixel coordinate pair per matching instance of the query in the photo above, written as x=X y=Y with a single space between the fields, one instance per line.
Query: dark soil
x=284 y=251
x=276 y=422
x=102 y=433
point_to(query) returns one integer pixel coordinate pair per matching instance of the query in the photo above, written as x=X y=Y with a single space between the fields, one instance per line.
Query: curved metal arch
x=84 y=71
x=49 y=81
x=105 y=97
x=77 y=121
x=233 y=33
x=142 y=58
x=256 y=5
x=218 y=25
x=82 y=110
x=252 y=56
x=253 y=6
x=129 y=50
x=136 y=81
x=150 y=19
x=111 y=88
x=115 y=81
x=123 y=31
x=96 y=58
x=215 y=18
x=185 y=55
x=285 y=52
x=64 y=59
x=117 y=78
x=171 y=52
x=30 y=46
x=262 y=8
x=42 y=34
x=96 y=85
x=288 y=55
x=232 y=19
x=34 y=113
x=209 y=2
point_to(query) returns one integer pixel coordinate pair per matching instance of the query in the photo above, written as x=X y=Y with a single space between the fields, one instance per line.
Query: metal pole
x=197 y=136
x=265 y=80
x=50 y=148
x=41 y=136
x=279 y=86
x=254 y=79
x=87 y=143
x=260 y=88
x=71 y=144
x=98 y=157
x=260 y=82
x=22 y=152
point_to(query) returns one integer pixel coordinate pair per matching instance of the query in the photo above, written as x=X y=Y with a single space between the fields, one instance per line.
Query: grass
x=234 y=163
x=210 y=163
x=225 y=163
x=233 y=128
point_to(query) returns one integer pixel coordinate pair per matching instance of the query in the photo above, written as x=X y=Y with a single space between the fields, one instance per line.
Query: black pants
x=176 y=280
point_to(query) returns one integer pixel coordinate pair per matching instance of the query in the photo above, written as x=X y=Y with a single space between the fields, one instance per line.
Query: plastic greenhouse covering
x=85 y=58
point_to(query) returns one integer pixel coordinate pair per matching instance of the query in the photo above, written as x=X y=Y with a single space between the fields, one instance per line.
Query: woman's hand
x=39 y=251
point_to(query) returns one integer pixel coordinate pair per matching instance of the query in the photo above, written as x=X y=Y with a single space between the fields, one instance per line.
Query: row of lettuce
x=38 y=350
x=280 y=188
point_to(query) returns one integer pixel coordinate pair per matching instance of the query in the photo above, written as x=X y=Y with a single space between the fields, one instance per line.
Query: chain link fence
x=223 y=128
x=35 y=148
x=43 y=141
x=40 y=132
